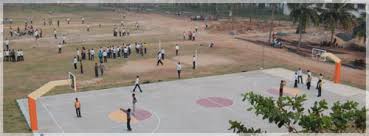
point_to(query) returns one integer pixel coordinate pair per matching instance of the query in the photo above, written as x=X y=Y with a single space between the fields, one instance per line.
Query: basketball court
x=198 y=105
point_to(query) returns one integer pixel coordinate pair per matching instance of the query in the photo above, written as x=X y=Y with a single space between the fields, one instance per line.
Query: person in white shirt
x=114 y=52
x=184 y=35
x=83 y=20
x=92 y=52
x=88 y=28
x=162 y=51
x=179 y=69
x=159 y=59
x=137 y=84
x=105 y=54
x=194 y=58
x=125 y=52
x=59 y=48
x=7 y=55
x=177 y=49
x=299 y=74
x=75 y=63
x=6 y=44
x=68 y=20
x=78 y=54
x=196 y=28
x=55 y=33
x=296 y=79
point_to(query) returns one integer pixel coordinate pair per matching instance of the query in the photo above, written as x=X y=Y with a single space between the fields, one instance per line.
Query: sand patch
x=204 y=60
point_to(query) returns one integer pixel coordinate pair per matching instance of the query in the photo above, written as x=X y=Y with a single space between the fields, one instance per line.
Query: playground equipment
x=322 y=55
x=337 y=72
x=32 y=97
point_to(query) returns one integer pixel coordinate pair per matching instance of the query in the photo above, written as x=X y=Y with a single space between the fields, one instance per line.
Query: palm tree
x=359 y=30
x=335 y=14
x=304 y=14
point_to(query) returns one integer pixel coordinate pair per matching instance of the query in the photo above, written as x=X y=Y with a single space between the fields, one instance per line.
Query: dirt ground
x=42 y=63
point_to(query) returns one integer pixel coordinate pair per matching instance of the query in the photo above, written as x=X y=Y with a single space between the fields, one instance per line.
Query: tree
x=288 y=112
x=334 y=14
x=303 y=14
x=359 y=30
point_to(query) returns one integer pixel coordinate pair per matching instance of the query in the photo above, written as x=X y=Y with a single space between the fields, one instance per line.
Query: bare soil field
x=43 y=64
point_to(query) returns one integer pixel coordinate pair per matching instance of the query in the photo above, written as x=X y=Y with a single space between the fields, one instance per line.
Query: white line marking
x=52 y=117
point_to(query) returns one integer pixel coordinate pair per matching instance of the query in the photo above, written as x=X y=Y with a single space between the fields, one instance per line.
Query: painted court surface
x=191 y=105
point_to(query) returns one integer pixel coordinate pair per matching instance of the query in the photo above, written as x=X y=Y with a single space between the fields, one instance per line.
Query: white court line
x=52 y=117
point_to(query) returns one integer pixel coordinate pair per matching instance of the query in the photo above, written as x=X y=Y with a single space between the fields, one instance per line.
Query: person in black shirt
x=128 y=113
x=96 y=70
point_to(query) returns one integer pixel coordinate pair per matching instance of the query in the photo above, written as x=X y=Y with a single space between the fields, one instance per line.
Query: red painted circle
x=214 y=102
x=141 y=114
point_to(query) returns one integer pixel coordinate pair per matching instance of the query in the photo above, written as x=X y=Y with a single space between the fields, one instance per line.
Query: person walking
x=159 y=59
x=128 y=115
x=77 y=106
x=281 y=86
x=179 y=69
x=137 y=84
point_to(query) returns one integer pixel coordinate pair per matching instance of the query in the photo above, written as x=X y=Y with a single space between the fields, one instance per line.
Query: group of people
x=189 y=35
x=298 y=79
x=13 y=55
x=129 y=111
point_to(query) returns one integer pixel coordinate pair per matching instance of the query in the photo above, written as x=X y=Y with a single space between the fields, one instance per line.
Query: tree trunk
x=300 y=33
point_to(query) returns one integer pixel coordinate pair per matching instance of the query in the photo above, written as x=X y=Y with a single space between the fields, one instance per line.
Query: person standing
x=128 y=114
x=68 y=20
x=6 y=44
x=55 y=34
x=296 y=80
x=59 y=48
x=102 y=68
x=194 y=58
x=77 y=106
x=184 y=35
x=81 y=66
x=96 y=70
x=137 y=84
x=64 y=38
x=308 y=82
x=105 y=56
x=193 y=36
x=78 y=54
x=83 y=20
x=125 y=52
x=319 y=87
x=88 y=28
x=134 y=101
x=75 y=63
x=299 y=74
x=179 y=69
x=92 y=54
x=281 y=86
x=320 y=80
x=177 y=49
x=58 y=23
